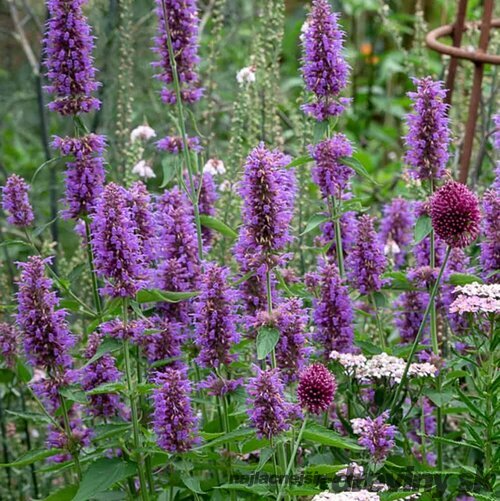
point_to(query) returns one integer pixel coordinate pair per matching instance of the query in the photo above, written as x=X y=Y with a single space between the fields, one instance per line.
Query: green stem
x=270 y=311
x=182 y=124
x=133 y=407
x=419 y=332
x=292 y=459
x=90 y=258
x=67 y=427
x=338 y=236
x=380 y=329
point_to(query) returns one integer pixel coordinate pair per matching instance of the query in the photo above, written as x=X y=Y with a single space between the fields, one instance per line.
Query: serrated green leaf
x=107 y=388
x=325 y=469
x=233 y=436
x=423 y=227
x=108 y=345
x=267 y=339
x=264 y=457
x=192 y=483
x=439 y=398
x=217 y=225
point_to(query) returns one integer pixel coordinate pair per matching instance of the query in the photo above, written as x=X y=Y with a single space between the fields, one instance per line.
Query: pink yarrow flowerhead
x=15 y=201
x=316 y=389
x=455 y=214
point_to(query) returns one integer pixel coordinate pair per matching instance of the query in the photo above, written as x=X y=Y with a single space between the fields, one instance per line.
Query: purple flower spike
x=329 y=173
x=15 y=201
x=183 y=24
x=206 y=203
x=455 y=214
x=333 y=315
x=490 y=246
x=366 y=261
x=268 y=191
x=68 y=47
x=316 y=389
x=348 y=228
x=9 y=342
x=214 y=318
x=268 y=410
x=173 y=419
x=324 y=69
x=47 y=340
x=85 y=175
x=117 y=250
x=175 y=145
x=428 y=130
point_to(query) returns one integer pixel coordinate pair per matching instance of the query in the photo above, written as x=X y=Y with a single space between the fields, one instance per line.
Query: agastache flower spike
x=428 y=131
x=183 y=24
x=333 y=315
x=215 y=319
x=173 y=419
x=9 y=341
x=16 y=203
x=68 y=47
x=324 y=69
x=490 y=246
x=47 y=340
x=366 y=261
x=85 y=175
x=117 y=251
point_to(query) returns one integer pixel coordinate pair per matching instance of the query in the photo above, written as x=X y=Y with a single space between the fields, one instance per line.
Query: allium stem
x=292 y=458
x=404 y=378
x=133 y=406
x=90 y=257
x=185 y=150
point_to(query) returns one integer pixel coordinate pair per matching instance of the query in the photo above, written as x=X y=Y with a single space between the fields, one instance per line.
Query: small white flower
x=142 y=133
x=391 y=248
x=303 y=31
x=142 y=169
x=354 y=470
x=214 y=166
x=246 y=75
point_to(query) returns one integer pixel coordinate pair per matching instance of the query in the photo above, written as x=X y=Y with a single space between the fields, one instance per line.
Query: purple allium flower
x=215 y=318
x=174 y=144
x=490 y=246
x=174 y=422
x=161 y=341
x=292 y=351
x=142 y=213
x=348 y=228
x=218 y=387
x=324 y=69
x=68 y=46
x=455 y=214
x=9 y=342
x=316 y=389
x=85 y=175
x=47 y=340
x=329 y=172
x=103 y=370
x=366 y=262
x=333 y=315
x=428 y=131
x=410 y=313
x=268 y=191
x=117 y=250
x=183 y=21
x=375 y=435
x=397 y=227
x=115 y=329
x=268 y=410
x=15 y=201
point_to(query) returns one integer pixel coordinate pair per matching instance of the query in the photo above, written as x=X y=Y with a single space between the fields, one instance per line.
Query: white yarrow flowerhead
x=362 y=495
x=246 y=75
x=214 y=166
x=142 y=133
x=142 y=169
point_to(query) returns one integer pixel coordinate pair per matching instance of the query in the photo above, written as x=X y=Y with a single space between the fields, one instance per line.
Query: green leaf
x=107 y=388
x=439 y=398
x=299 y=161
x=399 y=281
x=101 y=475
x=30 y=416
x=32 y=457
x=233 y=436
x=267 y=339
x=154 y=295
x=217 y=225
x=261 y=490
x=264 y=457
x=358 y=167
x=169 y=167
x=65 y=494
x=108 y=345
x=464 y=279
x=192 y=483
x=24 y=372
x=303 y=490
x=422 y=228
x=325 y=469
x=314 y=222
x=321 y=435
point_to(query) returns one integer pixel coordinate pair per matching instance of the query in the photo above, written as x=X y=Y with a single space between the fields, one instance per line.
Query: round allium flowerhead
x=455 y=214
x=15 y=201
x=316 y=388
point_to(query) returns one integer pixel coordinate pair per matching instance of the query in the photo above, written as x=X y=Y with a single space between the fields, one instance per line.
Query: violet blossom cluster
x=268 y=410
x=206 y=202
x=117 y=251
x=218 y=386
x=348 y=228
x=333 y=314
x=182 y=24
x=9 y=343
x=428 y=135
x=175 y=144
x=429 y=422
x=85 y=174
x=490 y=246
x=215 y=319
x=68 y=46
x=324 y=68
x=15 y=202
